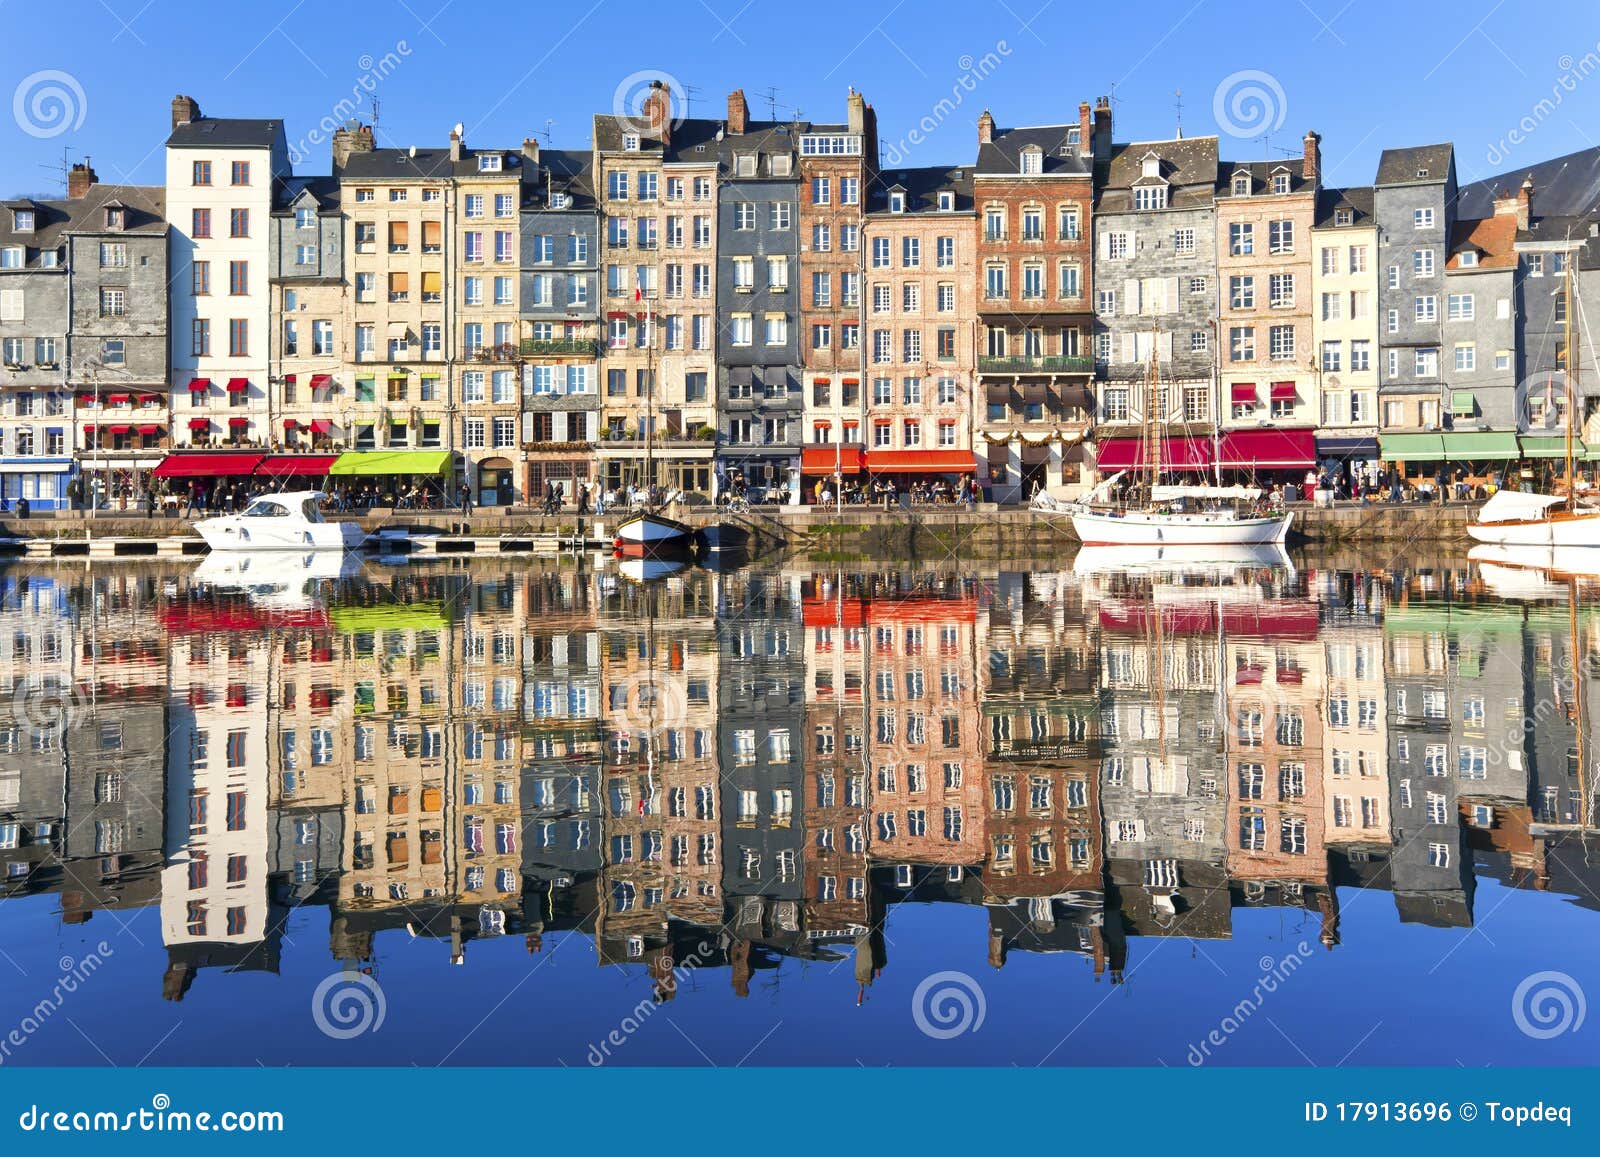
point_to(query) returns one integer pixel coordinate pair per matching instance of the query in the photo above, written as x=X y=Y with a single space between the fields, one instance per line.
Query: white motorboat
x=1515 y=518
x=653 y=534
x=288 y=521
x=275 y=579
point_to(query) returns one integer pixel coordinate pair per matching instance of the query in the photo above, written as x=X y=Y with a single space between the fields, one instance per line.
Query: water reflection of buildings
x=722 y=771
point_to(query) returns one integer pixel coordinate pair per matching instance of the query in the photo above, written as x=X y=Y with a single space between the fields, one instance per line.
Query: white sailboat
x=651 y=533
x=1168 y=514
x=1513 y=518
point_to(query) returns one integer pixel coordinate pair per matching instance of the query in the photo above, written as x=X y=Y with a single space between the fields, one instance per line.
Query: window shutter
x=1130 y=296
x=1130 y=347
x=1172 y=295
x=1164 y=347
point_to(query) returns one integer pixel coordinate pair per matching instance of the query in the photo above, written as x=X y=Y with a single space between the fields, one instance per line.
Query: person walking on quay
x=465 y=496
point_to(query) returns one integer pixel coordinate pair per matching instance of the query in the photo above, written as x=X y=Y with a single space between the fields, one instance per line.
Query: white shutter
x=527 y=427
x=11 y=305
x=1130 y=347
x=1164 y=347
x=1130 y=296
x=1173 y=299
x=558 y=426
x=1105 y=245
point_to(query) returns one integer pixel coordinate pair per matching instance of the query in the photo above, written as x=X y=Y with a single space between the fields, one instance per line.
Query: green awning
x=1411 y=447
x=1463 y=404
x=366 y=463
x=1480 y=445
x=1550 y=446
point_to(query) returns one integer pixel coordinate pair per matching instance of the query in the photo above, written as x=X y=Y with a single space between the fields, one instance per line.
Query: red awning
x=290 y=424
x=827 y=459
x=1283 y=391
x=199 y=423
x=199 y=385
x=318 y=381
x=116 y=399
x=922 y=461
x=1243 y=393
x=88 y=427
x=149 y=430
x=822 y=381
x=289 y=379
x=238 y=420
x=1180 y=453
x=204 y=465
x=146 y=399
x=85 y=399
x=238 y=385
x=296 y=465
x=117 y=429
x=321 y=426
x=1270 y=449
x=851 y=381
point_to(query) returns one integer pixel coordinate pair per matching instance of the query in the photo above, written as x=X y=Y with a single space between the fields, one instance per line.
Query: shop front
x=1185 y=454
x=400 y=479
x=496 y=482
x=830 y=466
x=1264 y=457
x=933 y=474
x=41 y=481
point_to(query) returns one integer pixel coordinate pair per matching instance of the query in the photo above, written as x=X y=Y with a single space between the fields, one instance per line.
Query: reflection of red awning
x=148 y=399
x=1243 y=393
x=922 y=461
x=1291 y=675
x=922 y=609
x=318 y=381
x=321 y=699
x=238 y=385
x=205 y=618
x=1294 y=620
x=117 y=429
x=296 y=466
x=1141 y=618
x=1248 y=675
x=116 y=399
x=197 y=696
x=199 y=423
x=1270 y=449
x=1176 y=453
x=1283 y=391
x=321 y=426
x=827 y=459
x=205 y=465
x=819 y=612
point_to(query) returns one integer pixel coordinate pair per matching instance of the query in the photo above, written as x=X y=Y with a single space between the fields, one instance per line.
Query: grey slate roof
x=54 y=219
x=1400 y=166
x=1568 y=185
x=397 y=165
x=1357 y=198
x=922 y=187
x=1261 y=174
x=1003 y=155
x=1189 y=166
x=570 y=171
x=225 y=133
x=324 y=190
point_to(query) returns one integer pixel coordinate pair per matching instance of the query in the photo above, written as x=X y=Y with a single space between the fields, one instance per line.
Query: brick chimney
x=1085 y=129
x=79 y=180
x=986 y=128
x=856 y=111
x=457 y=143
x=738 y=111
x=658 y=111
x=530 y=149
x=1102 y=128
x=185 y=109
x=1506 y=204
x=1525 y=202
x=1311 y=165
x=347 y=141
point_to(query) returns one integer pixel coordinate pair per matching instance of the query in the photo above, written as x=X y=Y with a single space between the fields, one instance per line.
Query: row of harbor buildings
x=764 y=300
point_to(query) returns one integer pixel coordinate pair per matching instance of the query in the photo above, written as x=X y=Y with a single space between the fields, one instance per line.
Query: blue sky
x=1364 y=73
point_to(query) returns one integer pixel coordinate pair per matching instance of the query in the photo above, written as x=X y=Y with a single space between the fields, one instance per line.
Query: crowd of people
x=887 y=492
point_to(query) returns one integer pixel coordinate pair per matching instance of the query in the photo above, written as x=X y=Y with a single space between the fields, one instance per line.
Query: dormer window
x=1422 y=174
x=1241 y=185
x=1280 y=183
x=1150 y=197
x=744 y=165
x=22 y=220
x=1343 y=217
x=489 y=163
x=1150 y=166
x=116 y=216
x=947 y=201
x=897 y=201
x=1469 y=259
x=630 y=142
x=779 y=165
x=1032 y=161
x=1074 y=139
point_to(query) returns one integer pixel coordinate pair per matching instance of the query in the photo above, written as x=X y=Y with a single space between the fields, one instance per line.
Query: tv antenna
x=64 y=169
x=548 y=135
x=771 y=97
x=374 y=99
x=688 y=98
x=1177 y=99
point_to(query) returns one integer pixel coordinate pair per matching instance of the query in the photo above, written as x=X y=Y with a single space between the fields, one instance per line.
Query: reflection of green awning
x=1479 y=445
x=365 y=463
x=1463 y=404
x=425 y=616
x=1483 y=622
x=1549 y=446
x=1411 y=447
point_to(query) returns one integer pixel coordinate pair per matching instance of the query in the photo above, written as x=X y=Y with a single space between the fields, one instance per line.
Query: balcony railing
x=1024 y=365
x=531 y=347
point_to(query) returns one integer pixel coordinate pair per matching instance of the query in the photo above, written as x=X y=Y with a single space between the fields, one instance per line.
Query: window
x=1280 y=288
x=1422 y=262
x=240 y=173
x=1427 y=307
x=238 y=223
x=1460 y=307
x=1422 y=218
x=1280 y=236
x=1150 y=197
x=1241 y=239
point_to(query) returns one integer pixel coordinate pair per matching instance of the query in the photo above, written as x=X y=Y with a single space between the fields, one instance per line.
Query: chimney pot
x=185 y=110
x=80 y=179
x=1085 y=129
x=1311 y=165
x=986 y=128
x=1525 y=202
x=738 y=111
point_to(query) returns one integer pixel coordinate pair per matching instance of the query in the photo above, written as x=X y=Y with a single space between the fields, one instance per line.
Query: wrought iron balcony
x=533 y=347
x=1037 y=364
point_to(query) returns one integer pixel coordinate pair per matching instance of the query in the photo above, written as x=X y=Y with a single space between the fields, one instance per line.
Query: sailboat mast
x=1572 y=381
x=649 y=401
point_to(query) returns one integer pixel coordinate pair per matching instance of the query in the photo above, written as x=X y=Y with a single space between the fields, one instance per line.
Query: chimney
x=985 y=128
x=530 y=149
x=738 y=111
x=351 y=140
x=1505 y=204
x=1525 y=202
x=1085 y=129
x=658 y=111
x=457 y=143
x=856 y=114
x=184 y=110
x=1102 y=128
x=79 y=179
x=1311 y=166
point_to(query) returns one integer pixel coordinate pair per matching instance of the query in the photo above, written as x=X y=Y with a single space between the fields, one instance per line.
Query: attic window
x=779 y=165
x=947 y=201
x=1150 y=166
x=489 y=163
x=560 y=201
x=1074 y=139
x=1032 y=161
x=1343 y=217
x=22 y=220
x=630 y=142
x=1150 y=197
x=1469 y=257
x=1241 y=185
x=744 y=165
x=114 y=217
x=897 y=202
x=1280 y=183
x=1421 y=173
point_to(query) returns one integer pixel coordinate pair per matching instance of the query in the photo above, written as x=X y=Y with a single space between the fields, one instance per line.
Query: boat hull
x=1563 y=529
x=648 y=535
x=1137 y=528
x=232 y=532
